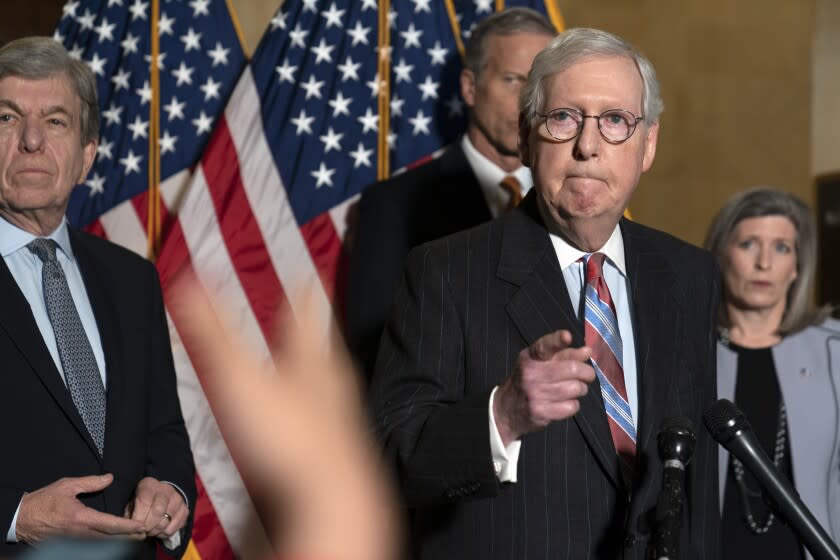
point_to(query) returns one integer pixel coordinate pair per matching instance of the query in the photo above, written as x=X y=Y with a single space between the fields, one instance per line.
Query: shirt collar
x=489 y=174
x=12 y=238
x=613 y=249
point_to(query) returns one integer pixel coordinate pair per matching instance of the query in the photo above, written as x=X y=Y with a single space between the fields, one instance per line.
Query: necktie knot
x=594 y=266
x=511 y=185
x=44 y=248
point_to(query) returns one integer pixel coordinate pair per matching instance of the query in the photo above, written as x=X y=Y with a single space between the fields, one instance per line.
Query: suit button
x=629 y=541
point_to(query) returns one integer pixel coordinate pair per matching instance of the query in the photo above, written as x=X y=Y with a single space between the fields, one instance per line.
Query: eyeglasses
x=615 y=125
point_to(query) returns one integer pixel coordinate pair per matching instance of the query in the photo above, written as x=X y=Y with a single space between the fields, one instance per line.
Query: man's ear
x=651 y=136
x=524 y=140
x=88 y=157
x=468 y=87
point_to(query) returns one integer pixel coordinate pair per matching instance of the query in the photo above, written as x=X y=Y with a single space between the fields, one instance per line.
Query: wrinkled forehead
x=611 y=82
x=40 y=95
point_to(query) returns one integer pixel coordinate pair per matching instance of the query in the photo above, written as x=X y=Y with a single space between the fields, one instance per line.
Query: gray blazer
x=808 y=367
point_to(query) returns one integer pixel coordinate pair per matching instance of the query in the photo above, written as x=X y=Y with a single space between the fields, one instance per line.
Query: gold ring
x=167 y=516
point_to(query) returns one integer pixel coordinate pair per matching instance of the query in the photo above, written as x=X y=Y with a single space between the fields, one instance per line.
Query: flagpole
x=153 y=225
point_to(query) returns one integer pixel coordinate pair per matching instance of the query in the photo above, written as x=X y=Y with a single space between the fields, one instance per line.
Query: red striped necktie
x=603 y=338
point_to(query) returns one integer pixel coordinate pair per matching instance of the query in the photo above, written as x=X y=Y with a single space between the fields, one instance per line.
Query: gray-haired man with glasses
x=531 y=361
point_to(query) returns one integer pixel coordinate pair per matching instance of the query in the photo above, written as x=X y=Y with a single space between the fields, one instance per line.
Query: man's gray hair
x=575 y=45
x=506 y=22
x=38 y=58
x=765 y=201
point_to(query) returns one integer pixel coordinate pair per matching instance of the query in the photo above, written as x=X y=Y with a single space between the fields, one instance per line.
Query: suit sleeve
x=437 y=439
x=168 y=446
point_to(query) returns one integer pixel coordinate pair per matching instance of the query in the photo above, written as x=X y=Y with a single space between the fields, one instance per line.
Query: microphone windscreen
x=677 y=423
x=723 y=420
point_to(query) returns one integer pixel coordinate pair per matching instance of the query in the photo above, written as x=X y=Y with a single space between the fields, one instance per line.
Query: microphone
x=676 y=444
x=730 y=428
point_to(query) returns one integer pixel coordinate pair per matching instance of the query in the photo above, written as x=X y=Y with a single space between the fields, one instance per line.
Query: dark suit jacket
x=438 y=198
x=45 y=436
x=469 y=303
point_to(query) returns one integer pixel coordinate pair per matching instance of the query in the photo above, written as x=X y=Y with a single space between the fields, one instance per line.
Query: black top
x=757 y=394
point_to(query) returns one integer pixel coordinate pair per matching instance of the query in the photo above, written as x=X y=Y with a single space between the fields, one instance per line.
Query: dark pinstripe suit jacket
x=469 y=303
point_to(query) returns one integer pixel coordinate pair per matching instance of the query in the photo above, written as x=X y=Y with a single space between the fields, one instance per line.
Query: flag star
x=332 y=140
x=370 y=122
x=482 y=6
x=312 y=87
x=219 y=55
x=411 y=36
x=361 y=156
x=323 y=51
x=303 y=123
x=369 y=5
x=174 y=109
x=57 y=37
x=138 y=10
x=96 y=184
x=323 y=176
x=210 y=89
x=421 y=6
x=468 y=32
x=76 y=52
x=333 y=16
x=396 y=106
x=403 y=71
x=191 y=40
x=167 y=142
x=438 y=54
x=145 y=93
x=139 y=128
x=298 y=36
x=97 y=65
x=115 y=3
x=392 y=141
x=183 y=74
x=359 y=34
x=105 y=30
x=349 y=70
x=279 y=21
x=104 y=149
x=161 y=56
x=121 y=79
x=340 y=105
x=455 y=105
x=202 y=124
x=112 y=115
x=429 y=88
x=310 y=6
x=420 y=123
x=131 y=162
x=165 y=24
x=376 y=85
x=86 y=20
x=69 y=9
x=392 y=18
x=286 y=71
x=199 y=7
x=129 y=44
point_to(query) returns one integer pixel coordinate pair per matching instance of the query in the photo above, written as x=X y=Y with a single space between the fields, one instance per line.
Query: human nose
x=763 y=258
x=32 y=136
x=589 y=138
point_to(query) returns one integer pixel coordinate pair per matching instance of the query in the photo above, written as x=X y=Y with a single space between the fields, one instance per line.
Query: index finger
x=108 y=524
x=549 y=344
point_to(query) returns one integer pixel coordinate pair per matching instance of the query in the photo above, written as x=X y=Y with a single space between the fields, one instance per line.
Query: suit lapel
x=464 y=199
x=17 y=321
x=108 y=325
x=652 y=282
x=542 y=305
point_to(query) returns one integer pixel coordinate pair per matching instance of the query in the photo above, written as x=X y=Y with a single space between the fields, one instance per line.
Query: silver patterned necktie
x=81 y=373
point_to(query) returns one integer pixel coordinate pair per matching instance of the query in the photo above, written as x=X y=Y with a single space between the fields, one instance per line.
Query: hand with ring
x=160 y=507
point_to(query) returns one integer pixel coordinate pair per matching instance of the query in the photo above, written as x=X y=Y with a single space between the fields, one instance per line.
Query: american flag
x=329 y=103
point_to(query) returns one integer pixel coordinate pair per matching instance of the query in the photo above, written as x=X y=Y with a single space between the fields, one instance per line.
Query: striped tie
x=602 y=337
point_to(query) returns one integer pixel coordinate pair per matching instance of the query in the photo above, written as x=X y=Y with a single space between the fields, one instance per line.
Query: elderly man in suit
x=97 y=445
x=475 y=179
x=530 y=361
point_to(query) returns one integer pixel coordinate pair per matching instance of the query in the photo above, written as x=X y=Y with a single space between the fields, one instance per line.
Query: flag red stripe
x=208 y=535
x=325 y=248
x=240 y=229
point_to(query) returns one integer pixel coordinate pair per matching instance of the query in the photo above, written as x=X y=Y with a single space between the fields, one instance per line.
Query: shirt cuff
x=11 y=535
x=505 y=459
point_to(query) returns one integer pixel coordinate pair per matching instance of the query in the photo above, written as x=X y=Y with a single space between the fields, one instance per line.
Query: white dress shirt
x=615 y=275
x=489 y=176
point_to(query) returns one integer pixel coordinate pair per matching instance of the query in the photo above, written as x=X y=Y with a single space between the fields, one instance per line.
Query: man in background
x=530 y=362
x=96 y=444
x=476 y=179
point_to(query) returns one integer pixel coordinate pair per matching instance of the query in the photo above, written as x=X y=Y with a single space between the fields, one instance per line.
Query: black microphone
x=730 y=428
x=676 y=444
